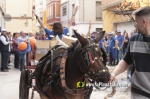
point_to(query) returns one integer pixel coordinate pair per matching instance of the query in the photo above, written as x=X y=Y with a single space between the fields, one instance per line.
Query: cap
x=118 y=31
x=3 y=30
x=111 y=33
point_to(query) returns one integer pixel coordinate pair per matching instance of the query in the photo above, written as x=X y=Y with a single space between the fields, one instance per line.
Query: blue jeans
x=4 y=55
x=22 y=61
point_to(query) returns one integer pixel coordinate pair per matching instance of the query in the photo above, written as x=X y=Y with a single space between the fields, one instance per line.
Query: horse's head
x=92 y=59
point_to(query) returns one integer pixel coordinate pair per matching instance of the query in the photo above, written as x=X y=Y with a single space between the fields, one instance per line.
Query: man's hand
x=25 y=40
x=90 y=25
x=89 y=34
x=112 y=77
x=10 y=42
x=76 y=9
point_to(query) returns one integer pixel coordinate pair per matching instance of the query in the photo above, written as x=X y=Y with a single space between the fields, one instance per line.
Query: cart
x=26 y=78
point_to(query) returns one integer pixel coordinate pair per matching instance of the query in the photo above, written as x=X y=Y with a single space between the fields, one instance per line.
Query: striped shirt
x=139 y=54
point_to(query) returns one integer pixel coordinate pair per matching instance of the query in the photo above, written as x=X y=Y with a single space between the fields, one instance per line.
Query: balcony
x=98 y=18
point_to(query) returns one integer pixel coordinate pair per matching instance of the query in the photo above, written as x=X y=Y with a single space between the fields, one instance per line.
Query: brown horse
x=64 y=72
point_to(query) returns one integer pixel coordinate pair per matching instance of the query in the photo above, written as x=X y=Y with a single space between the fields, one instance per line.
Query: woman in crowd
x=125 y=43
x=57 y=27
x=15 y=50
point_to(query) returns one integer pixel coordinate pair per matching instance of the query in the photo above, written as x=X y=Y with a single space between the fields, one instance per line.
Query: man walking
x=138 y=54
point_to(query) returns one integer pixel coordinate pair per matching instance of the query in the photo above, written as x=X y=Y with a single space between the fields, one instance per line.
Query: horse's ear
x=81 y=39
x=99 y=37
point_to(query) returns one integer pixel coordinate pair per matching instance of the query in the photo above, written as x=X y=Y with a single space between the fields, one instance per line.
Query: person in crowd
x=22 y=56
x=4 y=47
x=15 y=50
x=125 y=43
x=94 y=34
x=138 y=54
x=43 y=36
x=120 y=40
x=31 y=34
x=106 y=44
x=8 y=62
x=106 y=47
x=37 y=36
x=124 y=32
x=57 y=27
x=101 y=44
x=18 y=34
x=113 y=50
x=22 y=37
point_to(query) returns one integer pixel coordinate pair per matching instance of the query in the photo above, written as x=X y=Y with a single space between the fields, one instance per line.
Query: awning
x=112 y=4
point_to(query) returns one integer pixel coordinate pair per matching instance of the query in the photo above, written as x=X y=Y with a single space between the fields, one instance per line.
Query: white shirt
x=20 y=39
x=3 y=39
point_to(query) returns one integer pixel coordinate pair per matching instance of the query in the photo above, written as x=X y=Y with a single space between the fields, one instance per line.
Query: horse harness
x=62 y=52
x=62 y=76
x=58 y=55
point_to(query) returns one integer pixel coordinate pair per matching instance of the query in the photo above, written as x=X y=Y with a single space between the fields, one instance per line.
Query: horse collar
x=62 y=76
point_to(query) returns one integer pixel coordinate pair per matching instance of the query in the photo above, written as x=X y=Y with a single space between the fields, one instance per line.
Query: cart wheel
x=23 y=87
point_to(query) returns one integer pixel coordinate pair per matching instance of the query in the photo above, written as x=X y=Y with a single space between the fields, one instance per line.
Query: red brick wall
x=54 y=19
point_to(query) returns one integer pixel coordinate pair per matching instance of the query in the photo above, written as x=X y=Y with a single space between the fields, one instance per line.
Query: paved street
x=9 y=86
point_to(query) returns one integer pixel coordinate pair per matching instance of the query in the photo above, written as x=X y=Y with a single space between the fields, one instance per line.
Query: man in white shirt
x=4 y=46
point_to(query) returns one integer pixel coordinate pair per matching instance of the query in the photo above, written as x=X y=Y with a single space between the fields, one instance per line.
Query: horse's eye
x=96 y=49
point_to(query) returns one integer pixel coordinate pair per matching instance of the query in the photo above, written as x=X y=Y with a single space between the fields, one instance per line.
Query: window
x=98 y=11
x=57 y=10
x=47 y=13
x=99 y=29
x=51 y=11
x=64 y=11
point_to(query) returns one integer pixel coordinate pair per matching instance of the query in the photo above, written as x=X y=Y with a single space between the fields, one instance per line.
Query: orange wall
x=109 y=20
x=45 y=21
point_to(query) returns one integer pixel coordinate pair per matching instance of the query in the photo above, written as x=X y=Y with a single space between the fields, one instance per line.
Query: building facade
x=113 y=21
x=83 y=16
x=52 y=11
x=21 y=15
x=40 y=7
x=2 y=12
